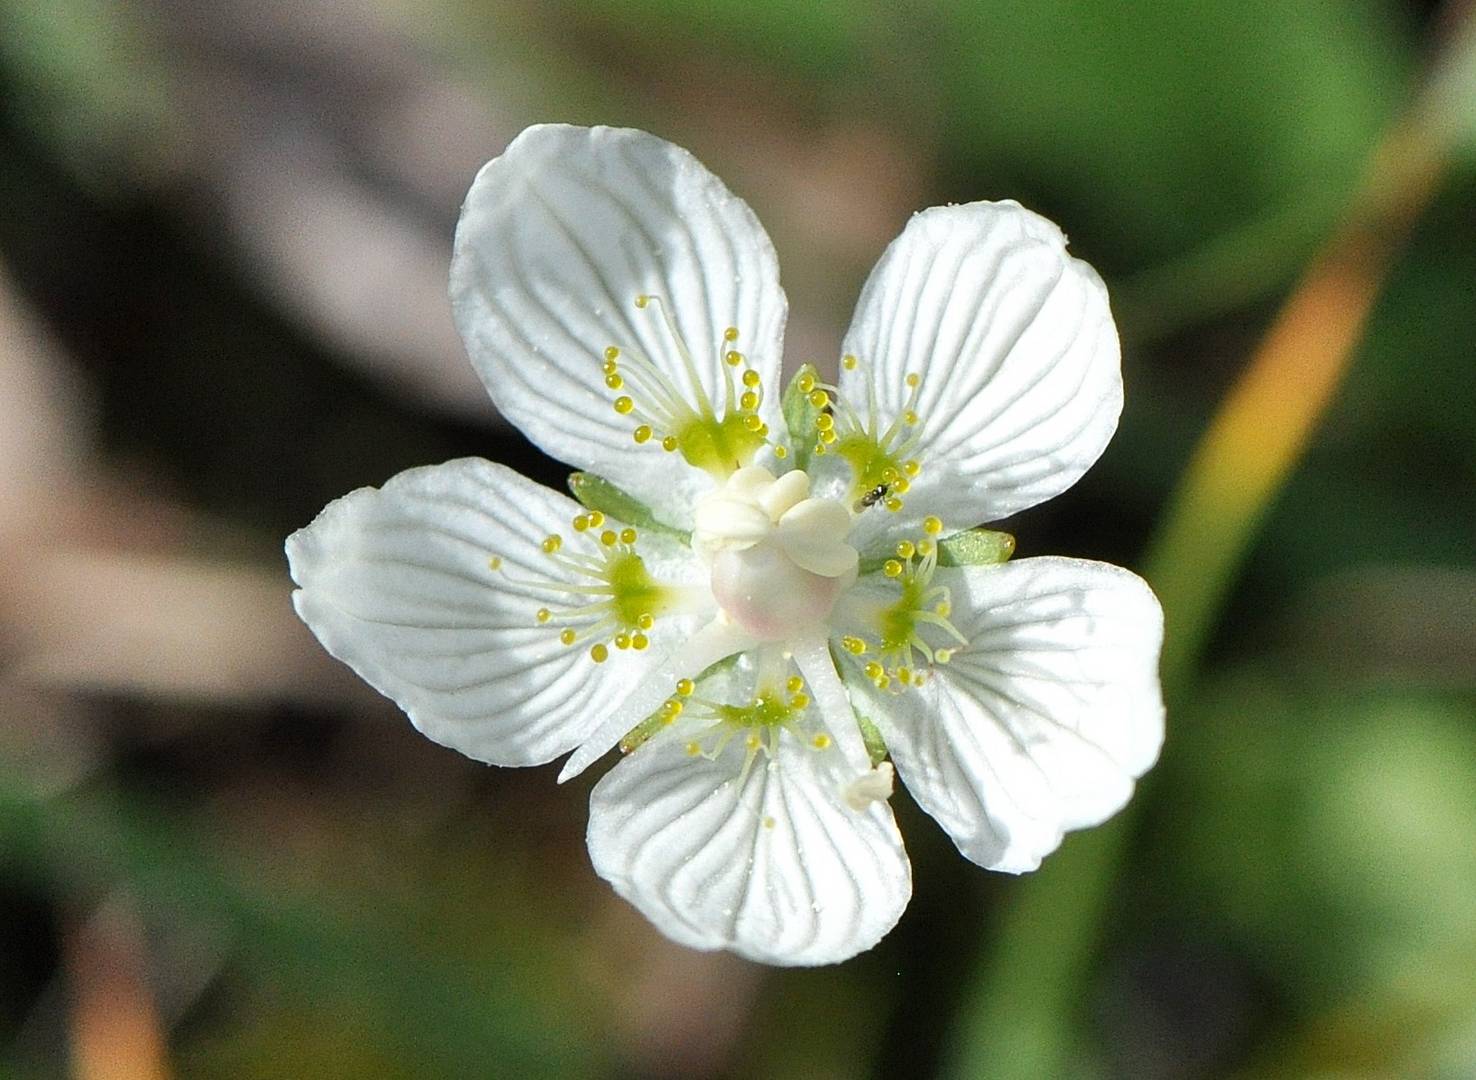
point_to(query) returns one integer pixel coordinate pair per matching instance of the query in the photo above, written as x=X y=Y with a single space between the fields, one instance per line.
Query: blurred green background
x=224 y=235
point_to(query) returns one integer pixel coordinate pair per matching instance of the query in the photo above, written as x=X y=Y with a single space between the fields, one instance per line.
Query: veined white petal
x=716 y=641
x=1042 y=722
x=812 y=656
x=769 y=862
x=1021 y=385
x=397 y=583
x=557 y=238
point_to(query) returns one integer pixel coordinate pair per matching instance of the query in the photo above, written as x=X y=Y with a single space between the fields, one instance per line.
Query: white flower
x=782 y=595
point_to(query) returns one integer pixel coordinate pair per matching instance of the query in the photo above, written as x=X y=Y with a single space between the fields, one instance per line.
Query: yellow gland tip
x=806 y=383
x=552 y=543
x=732 y=358
x=751 y=378
x=932 y=525
x=748 y=400
x=495 y=562
x=614 y=381
x=753 y=742
x=693 y=749
x=781 y=452
x=730 y=334
x=608 y=538
x=639 y=641
x=645 y=620
x=622 y=640
x=942 y=656
x=671 y=708
x=580 y=523
x=627 y=536
x=794 y=684
x=567 y=636
x=612 y=353
x=819 y=398
x=598 y=653
x=824 y=422
x=596 y=519
x=943 y=608
x=913 y=379
x=853 y=645
x=684 y=687
x=893 y=504
x=752 y=422
x=642 y=301
x=821 y=741
x=892 y=568
x=624 y=405
x=643 y=433
x=544 y=615
x=799 y=701
x=669 y=443
x=926 y=547
x=849 y=362
x=905 y=549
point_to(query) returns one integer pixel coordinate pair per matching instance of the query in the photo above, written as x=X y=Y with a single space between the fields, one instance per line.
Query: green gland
x=635 y=597
x=720 y=447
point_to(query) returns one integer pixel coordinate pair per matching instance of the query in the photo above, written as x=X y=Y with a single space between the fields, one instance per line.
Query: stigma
x=778 y=557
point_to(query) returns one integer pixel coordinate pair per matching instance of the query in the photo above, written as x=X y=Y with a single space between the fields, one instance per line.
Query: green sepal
x=655 y=722
x=876 y=746
x=799 y=417
x=597 y=493
x=976 y=547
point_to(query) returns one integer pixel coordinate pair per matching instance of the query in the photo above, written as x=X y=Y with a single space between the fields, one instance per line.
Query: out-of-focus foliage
x=221 y=305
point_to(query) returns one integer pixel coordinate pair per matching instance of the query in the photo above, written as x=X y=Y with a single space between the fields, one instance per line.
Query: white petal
x=1021 y=383
x=396 y=583
x=1044 y=720
x=556 y=239
x=774 y=867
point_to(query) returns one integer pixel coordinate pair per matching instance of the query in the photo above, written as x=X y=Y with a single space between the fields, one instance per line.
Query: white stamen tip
x=874 y=786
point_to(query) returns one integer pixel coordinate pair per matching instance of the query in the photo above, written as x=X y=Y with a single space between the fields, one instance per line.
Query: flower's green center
x=894 y=640
x=718 y=437
x=882 y=468
x=612 y=597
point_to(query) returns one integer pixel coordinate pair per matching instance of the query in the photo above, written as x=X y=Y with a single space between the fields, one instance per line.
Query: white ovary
x=778 y=557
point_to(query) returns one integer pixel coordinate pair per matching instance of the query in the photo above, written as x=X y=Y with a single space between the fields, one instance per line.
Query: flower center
x=778 y=557
x=688 y=421
x=612 y=597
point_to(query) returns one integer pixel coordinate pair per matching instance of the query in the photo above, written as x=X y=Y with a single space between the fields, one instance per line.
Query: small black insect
x=872 y=497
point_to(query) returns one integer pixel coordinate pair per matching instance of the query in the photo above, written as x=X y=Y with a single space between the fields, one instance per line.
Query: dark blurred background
x=224 y=237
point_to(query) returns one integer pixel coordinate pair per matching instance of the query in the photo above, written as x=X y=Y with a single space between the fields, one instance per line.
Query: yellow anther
x=495 y=562
x=544 y=615
x=732 y=358
x=932 y=525
x=623 y=405
x=748 y=400
x=911 y=468
x=821 y=741
x=753 y=422
x=849 y=362
x=552 y=543
x=942 y=656
x=892 y=568
x=794 y=684
x=669 y=443
x=819 y=398
x=824 y=422
x=639 y=641
x=853 y=645
x=684 y=687
x=645 y=620
x=596 y=519
x=608 y=538
x=622 y=640
x=806 y=383
x=730 y=334
x=642 y=434
x=873 y=670
x=567 y=636
x=612 y=353
x=905 y=549
x=751 y=378
x=799 y=701
x=598 y=653
x=627 y=536
x=614 y=381
x=913 y=379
